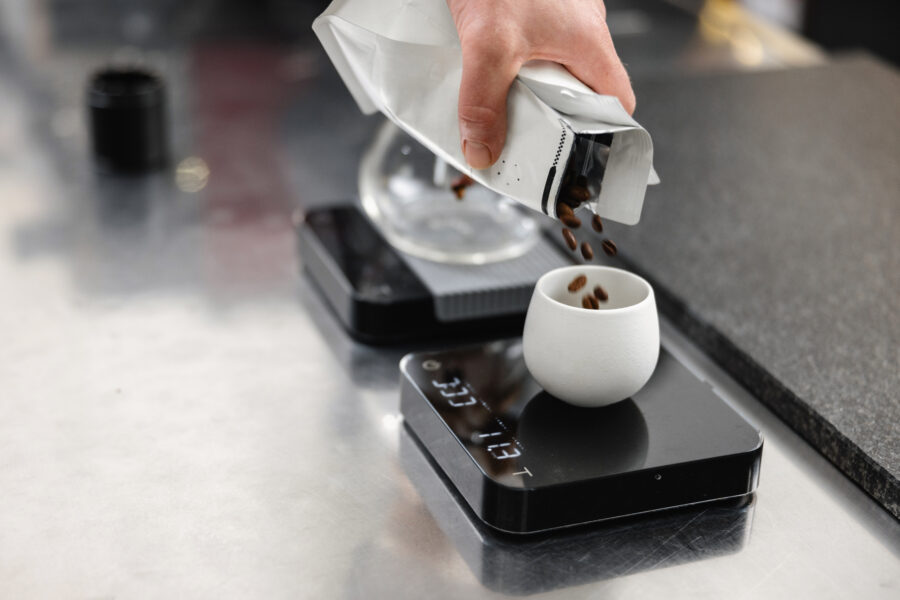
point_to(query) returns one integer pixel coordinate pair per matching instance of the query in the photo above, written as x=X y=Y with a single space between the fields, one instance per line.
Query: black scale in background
x=373 y=292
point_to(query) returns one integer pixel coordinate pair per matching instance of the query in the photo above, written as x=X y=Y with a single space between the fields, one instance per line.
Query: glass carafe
x=408 y=193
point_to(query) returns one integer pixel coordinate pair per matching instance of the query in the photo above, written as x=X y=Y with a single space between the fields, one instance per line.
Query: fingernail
x=477 y=154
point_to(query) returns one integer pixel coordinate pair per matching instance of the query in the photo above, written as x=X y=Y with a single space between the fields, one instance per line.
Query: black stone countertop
x=774 y=241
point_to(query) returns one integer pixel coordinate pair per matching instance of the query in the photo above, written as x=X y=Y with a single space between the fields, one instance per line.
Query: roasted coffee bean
x=579 y=193
x=586 y=251
x=571 y=242
x=597 y=224
x=567 y=215
x=571 y=221
x=570 y=202
x=578 y=283
x=610 y=247
x=600 y=293
x=588 y=301
x=460 y=184
x=564 y=210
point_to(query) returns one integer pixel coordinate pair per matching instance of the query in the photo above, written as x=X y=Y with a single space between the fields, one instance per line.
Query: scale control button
x=431 y=365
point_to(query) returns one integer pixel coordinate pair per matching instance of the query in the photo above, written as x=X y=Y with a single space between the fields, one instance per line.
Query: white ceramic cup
x=591 y=357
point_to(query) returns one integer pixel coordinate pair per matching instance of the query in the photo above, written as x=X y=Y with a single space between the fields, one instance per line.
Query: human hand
x=499 y=36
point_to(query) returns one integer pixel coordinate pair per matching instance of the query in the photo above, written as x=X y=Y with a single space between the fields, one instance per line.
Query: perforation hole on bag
x=508 y=171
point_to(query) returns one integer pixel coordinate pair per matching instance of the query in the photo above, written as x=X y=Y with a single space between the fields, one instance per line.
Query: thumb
x=488 y=71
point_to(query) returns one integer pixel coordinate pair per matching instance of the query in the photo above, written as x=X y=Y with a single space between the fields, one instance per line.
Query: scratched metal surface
x=181 y=416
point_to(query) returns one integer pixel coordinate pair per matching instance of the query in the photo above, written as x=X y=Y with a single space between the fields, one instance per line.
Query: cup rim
x=539 y=289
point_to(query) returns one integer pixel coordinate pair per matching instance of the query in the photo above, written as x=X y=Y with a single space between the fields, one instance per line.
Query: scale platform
x=526 y=462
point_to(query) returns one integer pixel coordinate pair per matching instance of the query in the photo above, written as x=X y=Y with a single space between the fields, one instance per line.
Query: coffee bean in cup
x=592 y=300
x=579 y=282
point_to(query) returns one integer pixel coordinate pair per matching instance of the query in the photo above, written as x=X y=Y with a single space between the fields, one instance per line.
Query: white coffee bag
x=402 y=57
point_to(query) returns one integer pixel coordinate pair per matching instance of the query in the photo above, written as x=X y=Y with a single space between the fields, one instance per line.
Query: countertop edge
x=842 y=452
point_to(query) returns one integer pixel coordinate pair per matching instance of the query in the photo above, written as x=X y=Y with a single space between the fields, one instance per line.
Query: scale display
x=526 y=461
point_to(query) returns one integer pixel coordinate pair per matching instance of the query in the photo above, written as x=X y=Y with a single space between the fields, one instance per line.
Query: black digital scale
x=527 y=462
x=380 y=298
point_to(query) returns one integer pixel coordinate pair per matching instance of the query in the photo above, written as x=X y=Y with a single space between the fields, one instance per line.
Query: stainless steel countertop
x=180 y=414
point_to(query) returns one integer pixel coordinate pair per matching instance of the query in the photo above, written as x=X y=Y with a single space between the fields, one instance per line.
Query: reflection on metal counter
x=515 y=565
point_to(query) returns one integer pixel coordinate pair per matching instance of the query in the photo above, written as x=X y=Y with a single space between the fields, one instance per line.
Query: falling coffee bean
x=597 y=224
x=564 y=210
x=578 y=283
x=567 y=216
x=571 y=221
x=571 y=242
x=601 y=294
x=588 y=301
x=586 y=251
x=570 y=202
x=610 y=247
x=579 y=193
x=460 y=184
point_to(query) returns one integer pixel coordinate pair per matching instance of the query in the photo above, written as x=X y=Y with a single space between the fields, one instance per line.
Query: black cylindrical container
x=127 y=114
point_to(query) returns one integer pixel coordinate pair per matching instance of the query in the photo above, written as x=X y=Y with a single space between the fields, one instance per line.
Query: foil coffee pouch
x=403 y=58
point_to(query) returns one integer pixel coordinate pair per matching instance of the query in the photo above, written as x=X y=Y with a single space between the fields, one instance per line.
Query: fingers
x=489 y=68
x=598 y=65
